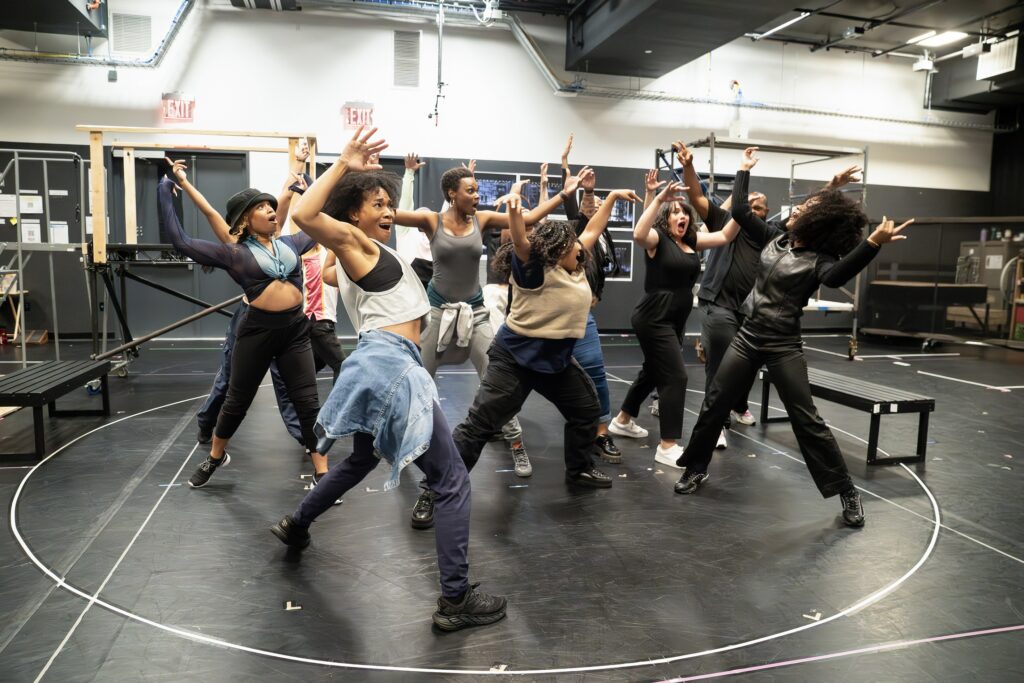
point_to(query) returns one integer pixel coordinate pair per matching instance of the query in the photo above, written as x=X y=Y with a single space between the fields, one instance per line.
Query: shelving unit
x=1017 y=314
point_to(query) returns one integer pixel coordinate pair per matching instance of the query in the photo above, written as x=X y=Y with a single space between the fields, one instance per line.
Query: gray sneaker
x=521 y=461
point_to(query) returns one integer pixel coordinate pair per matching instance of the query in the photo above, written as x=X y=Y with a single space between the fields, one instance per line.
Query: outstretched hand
x=586 y=175
x=750 y=158
x=651 y=182
x=512 y=200
x=517 y=187
x=848 y=176
x=673 y=192
x=413 y=163
x=471 y=165
x=298 y=183
x=887 y=231
x=623 y=195
x=544 y=173
x=360 y=151
x=302 y=150
x=683 y=154
x=565 y=152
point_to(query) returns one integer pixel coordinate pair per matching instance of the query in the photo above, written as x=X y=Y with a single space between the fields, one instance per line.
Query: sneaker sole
x=613 y=459
x=626 y=434
x=460 y=621
x=524 y=473
x=695 y=489
x=416 y=524
x=227 y=461
x=667 y=462
x=283 y=536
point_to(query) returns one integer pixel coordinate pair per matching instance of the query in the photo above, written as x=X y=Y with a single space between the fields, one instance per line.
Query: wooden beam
x=189 y=131
x=200 y=148
x=292 y=144
x=312 y=158
x=97 y=198
x=131 y=226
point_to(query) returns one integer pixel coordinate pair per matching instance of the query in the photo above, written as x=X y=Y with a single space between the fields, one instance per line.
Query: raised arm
x=643 y=232
x=493 y=219
x=220 y=227
x=597 y=223
x=719 y=238
x=850 y=175
x=293 y=180
x=406 y=203
x=651 y=186
x=336 y=235
x=692 y=181
x=837 y=273
x=751 y=223
x=517 y=226
x=203 y=252
x=330 y=270
x=571 y=209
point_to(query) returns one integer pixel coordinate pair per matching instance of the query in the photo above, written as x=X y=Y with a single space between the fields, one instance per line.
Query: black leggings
x=788 y=370
x=326 y=347
x=263 y=336
x=663 y=369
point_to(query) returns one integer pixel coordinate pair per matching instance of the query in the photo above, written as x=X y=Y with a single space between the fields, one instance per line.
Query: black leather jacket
x=788 y=276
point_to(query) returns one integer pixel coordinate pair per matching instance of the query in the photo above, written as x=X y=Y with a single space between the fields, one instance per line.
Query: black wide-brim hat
x=245 y=200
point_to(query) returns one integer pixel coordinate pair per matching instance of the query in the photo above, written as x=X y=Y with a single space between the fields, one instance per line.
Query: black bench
x=43 y=384
x=875 y=399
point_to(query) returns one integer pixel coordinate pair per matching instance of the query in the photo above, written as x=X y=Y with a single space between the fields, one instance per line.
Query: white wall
x=292 y=71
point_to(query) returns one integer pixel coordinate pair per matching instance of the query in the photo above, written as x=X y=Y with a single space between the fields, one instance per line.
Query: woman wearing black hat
x=269 y=270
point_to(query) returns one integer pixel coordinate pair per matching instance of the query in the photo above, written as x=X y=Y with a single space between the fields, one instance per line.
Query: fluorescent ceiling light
x=801 y=17
x=930 y=39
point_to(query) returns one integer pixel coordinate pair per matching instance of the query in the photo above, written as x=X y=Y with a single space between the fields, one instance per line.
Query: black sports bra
x=384 y=275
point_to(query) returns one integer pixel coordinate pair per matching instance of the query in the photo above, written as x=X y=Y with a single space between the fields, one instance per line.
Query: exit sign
x=177 y=107
x=357 y=114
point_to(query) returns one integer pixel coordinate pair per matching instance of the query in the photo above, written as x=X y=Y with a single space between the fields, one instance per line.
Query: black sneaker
x=475 y=609
x=593 y=477
x=853 y=508
x=204 y=437
x=607 y=450
x=690 y=482
x=206 y=469
x=317 y=476
x=290 y=533
x=423 y=511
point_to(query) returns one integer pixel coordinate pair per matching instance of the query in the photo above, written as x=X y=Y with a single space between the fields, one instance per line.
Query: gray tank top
x=456 y=262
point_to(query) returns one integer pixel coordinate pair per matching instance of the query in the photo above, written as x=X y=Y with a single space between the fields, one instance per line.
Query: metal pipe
x=167 y=290
x=164 y=330
x=21 y=262
x=49 y=238
x=152 y=61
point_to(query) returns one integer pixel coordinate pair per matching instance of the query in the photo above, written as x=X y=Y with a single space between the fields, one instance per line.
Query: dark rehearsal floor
x=135 y=577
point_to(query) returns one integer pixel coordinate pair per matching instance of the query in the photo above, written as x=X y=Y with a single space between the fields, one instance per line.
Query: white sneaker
x=722 y=443
x=668 y=456
x=747 y=418
x=631 y=429
x=655 y=408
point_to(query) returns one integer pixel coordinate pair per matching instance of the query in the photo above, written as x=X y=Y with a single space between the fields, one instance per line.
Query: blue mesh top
x=236 y=259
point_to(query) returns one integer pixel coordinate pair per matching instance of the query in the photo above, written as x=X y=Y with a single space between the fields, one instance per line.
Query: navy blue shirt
x=549 y=356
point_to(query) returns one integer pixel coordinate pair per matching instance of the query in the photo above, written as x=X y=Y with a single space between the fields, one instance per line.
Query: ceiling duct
x=956 y=85
x=649 y=38
x=55 y=16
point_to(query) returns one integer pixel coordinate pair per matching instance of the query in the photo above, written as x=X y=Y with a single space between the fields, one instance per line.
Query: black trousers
x=326 y=347
x=503 y=390
x=663 y=369
x=716 y=333
x=788 y=369
x=263 y=336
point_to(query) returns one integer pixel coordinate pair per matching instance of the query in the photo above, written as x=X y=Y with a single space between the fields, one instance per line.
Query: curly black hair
x=829 y=222
x=450 y=180
x=661 y=222
x=549 y=242
x=352 y=190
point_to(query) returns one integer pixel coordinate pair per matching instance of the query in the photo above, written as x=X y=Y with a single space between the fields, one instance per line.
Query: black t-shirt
x=492 y=240
x=742 y=273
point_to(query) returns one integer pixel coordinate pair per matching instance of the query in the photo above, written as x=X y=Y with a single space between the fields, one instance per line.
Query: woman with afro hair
x=821 y=246
x=549 y=304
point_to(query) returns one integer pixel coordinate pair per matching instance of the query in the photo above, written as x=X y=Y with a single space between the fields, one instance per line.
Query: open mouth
x=385 y=226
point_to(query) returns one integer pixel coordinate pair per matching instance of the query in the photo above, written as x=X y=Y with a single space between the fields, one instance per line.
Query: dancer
x=459 y=325
x=272 y=327
x=384 y=396
x=548 y=311
x=667 y=231
x=729 y=276
x=823 y=246
x=206 y=418
x=412 y=245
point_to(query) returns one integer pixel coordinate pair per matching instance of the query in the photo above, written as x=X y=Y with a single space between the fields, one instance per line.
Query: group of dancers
x=529 y=328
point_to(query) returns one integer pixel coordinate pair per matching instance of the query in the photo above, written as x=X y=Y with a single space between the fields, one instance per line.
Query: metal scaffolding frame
x=820 y=153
